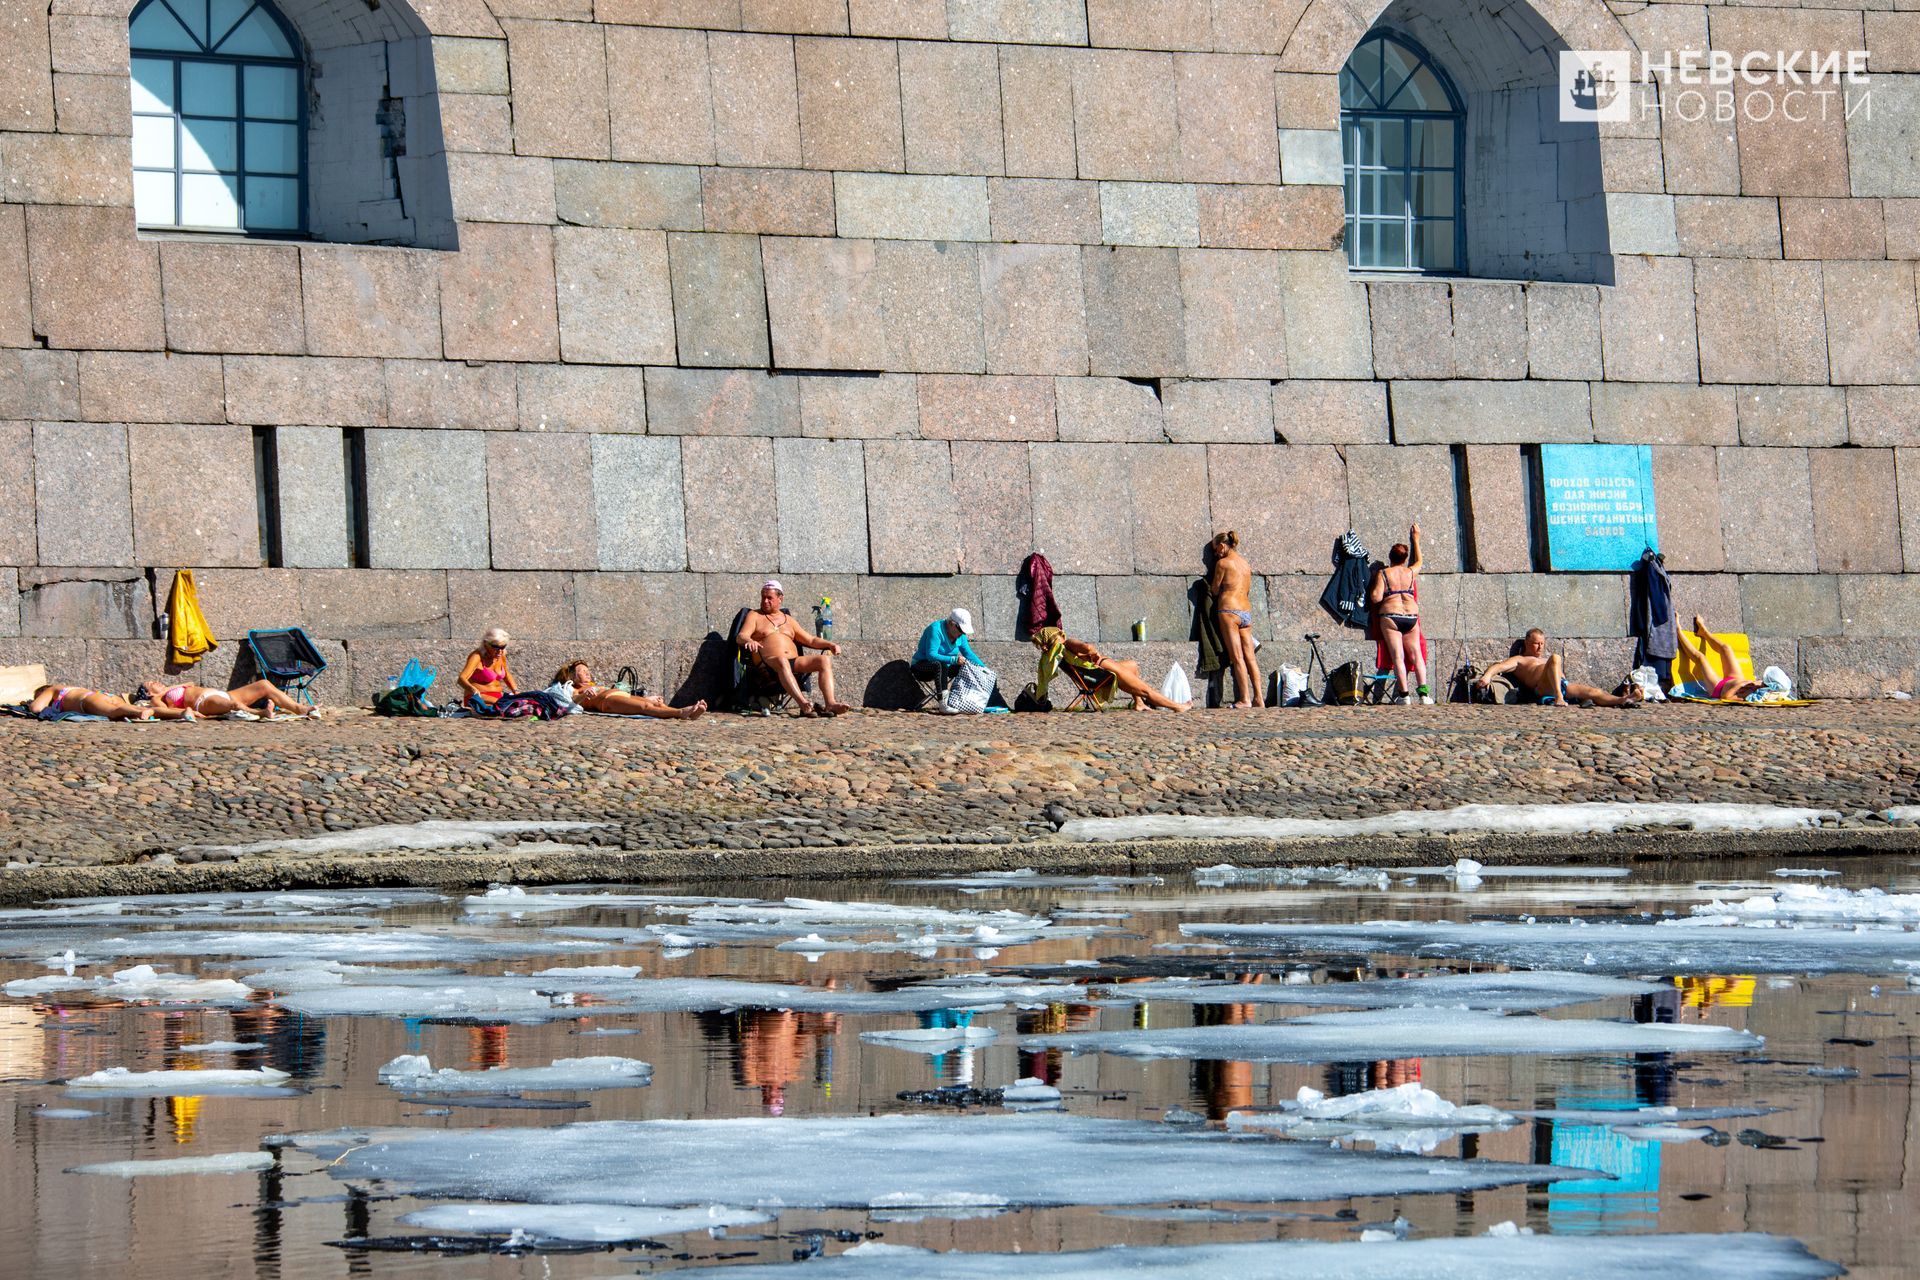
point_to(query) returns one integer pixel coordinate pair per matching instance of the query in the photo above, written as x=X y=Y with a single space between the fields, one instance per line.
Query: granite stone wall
x=881 y=295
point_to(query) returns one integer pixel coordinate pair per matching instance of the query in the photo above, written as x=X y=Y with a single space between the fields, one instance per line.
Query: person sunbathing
x=72 y=699
x=1126 y=674
x=243 y=703
x=486 y=676
x=1394 y=595
x=611 y=702
x=1699 y=680
x=773 y=640
x=1544 y=676
x=1230 y=583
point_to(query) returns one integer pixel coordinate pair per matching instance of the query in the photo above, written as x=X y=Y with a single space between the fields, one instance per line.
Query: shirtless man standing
x=1544 y=675
x=773 y=640
x=1230 y=582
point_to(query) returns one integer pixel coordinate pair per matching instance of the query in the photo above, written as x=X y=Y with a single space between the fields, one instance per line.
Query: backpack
x=1030 y=700
x=1343 y=685
x=1461 y=688
x=407 y=700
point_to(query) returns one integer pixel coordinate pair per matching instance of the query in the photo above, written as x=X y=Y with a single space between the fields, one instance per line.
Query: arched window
x=1402 y=138
x=219 y=117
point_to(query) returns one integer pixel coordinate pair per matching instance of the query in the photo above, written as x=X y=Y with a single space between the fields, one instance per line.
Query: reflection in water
x=769 y=1047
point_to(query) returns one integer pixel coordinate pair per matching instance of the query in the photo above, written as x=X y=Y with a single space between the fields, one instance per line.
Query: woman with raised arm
x=1395 y=598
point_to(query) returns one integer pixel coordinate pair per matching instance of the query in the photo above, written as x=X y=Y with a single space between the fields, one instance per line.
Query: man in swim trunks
x=1544 y=676
x=773 y=640
x=1230 y=583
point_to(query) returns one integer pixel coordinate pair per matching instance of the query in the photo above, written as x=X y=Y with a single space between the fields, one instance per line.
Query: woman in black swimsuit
x=1396 y=610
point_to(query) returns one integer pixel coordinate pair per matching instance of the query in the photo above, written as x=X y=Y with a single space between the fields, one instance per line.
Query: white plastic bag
x=1293 y=683
x=1648 y=681
x=969 y=691
x=1175 y=687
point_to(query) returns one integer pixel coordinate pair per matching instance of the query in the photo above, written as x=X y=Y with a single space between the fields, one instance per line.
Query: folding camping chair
x=755 y=689
x=1093 y=690
x=288 y=658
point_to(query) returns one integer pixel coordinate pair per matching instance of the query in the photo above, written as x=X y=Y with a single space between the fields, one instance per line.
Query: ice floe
x=258 y=1082
x=141 y=982
x=227 y=1162
x=1226 y=873
x=1408 y=1117
x=413 y=1073
x=1028 y=878
x=579 y=1223
x=1491 y=819
x=932 y=1039
x=1525 y=989
x=304 y=947
x=1400 y=1033
x=1819 y=902
x=224 y=1046
x=416 y=836
x=511 y=898
x=893 y=1161
x=1029 y=1093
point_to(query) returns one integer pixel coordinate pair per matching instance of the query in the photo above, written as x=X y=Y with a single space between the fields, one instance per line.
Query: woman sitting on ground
x=1126 y=675
x=71 y=699
x=611 y=702
x=1396 y=612
x=242 y=703
x=1698 y=679
x=486 y=676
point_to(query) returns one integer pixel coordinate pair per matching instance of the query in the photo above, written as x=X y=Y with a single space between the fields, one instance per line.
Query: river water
x=1703 y=1072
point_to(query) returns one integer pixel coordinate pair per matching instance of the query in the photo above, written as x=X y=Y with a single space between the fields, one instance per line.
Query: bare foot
x=807 y=711
x=1242 y=706
x=695 y=711
x=1559 y=702
x=837 y=708
x=1700 y=626
x=1180 y=706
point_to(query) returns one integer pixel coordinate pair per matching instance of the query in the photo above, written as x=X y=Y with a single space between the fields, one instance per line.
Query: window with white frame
x=1401 y=142
x=219 y=117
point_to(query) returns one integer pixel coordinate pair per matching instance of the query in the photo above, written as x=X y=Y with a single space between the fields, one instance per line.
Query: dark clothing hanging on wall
x=1650 y=618
x=1346 y=595
x=1034 y=586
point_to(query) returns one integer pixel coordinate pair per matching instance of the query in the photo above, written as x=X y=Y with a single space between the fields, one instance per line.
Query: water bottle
x=823 y=617
x=1140 y=629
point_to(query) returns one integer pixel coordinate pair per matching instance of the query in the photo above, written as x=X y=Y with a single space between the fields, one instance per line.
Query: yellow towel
x=1743 y=658
x=187 y=629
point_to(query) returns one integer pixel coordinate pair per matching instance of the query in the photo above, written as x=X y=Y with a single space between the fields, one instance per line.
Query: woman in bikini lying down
x=242 y=703
x=598 y=697
x=76 y=700
x=1698 y=678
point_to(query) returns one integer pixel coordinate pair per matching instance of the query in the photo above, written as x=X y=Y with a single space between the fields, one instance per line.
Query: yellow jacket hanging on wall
x=187 y=628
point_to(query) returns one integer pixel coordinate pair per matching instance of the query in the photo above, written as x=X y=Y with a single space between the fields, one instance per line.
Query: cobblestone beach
x=101 y=794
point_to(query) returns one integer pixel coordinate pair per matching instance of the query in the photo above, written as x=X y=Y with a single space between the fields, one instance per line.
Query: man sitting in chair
x=1544 y=676
x=943 y=647
x=773 y=640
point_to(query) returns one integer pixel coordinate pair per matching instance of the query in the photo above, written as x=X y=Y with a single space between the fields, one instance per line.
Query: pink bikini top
x=176 y=696
x=487 y=675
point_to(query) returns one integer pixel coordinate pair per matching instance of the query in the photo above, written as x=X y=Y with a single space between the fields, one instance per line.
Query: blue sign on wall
x=1599 y=501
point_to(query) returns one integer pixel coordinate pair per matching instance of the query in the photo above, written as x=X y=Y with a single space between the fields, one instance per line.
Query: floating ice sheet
x=305 y=947
x=224 y=1046
x=1226 y=873
x=1400 y=1033
x=511 y=898
x=227 y=1162
x=932 y=1039
x=1502 y=819
x=1577 y=1257
x=894 y=1162
x=305 y=902
x=1028 y=878
x=413 y=1073
x=1526 y=989
x=1408 y=1117
x=1642 y=1115
x=436 y=834
x=263 y=1082
x=584 y=1223
x=141 y=982
x=1819 y=902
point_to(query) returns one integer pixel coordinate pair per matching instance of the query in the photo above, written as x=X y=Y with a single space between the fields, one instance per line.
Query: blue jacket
x=935 y=647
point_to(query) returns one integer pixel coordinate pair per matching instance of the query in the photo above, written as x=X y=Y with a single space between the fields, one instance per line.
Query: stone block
x=1873 y=334
x=1879 y=605
x=782 y=202
x=1092 y=410
x=16 y=301
x=1835 y=228
x=560 y=397
x=26 y=64
x=1170 y=520
x=950 y=106
x=65 y=169
x=312 y=467
x=1883 y=416
x=1563 y=331
x=640 y=607
x=1287 y=502
x=1568 y=605
x=1164 y=604
x=1318 y=411
x=1661 y=413
x=1225 y=105
x=1149 y=213
x=1856 y=511
x=719 y=300
x=1232 y=308
x=305 y=391
x=79 y=255
x=1306 y=101
x=1792 y=416
x=537 y=514
x=375 y=604
x=497 y=295
x=1902 y=219
x=930 y=294
x=476 y=122
x=971 y=407
x=1774 y=536
x=1018 y=21
x=437 y=393
x=1639 y=223
x=729 y=529
x=470 y=66
x=1702 y=155
x=1310 y=156
x=1411 y=321
x=756 y=107
x=849 y=104
x=1760 y=322
x=1392 y=487
x=1727 y=226
x=359 y=301
x=234 y=602
x=1858 y=668
x=1326 y=313
x=17 y=515
x=880 y=407
x=1033 y=309
x=821 y=494
x=825 y=305
x=899 y=19
x=531 y=606
x=647 y=196
x=1906 y=468
x=1497 y=507
x=806 y=17
x=1711 y=595
x=559 y=73
x=616 y=305
x=1647 y=322
x=721 y=402
x=1125 y=115
x=992 y=485
x=424 y=500
x=1036 y=105
x=663 y=105
x=1489 y=330
x=1491 y=412
x=715 y=15
x=1686 y=493
x=501 y=188
x=1785 y=157
x=149 y=386
x=39 y=384
x=1082 y=521
x=214 y=524
x=1044 y=210
x=235 y=297
x=95 y=609
x=1219 y=412
x=898 y=609
x=912 y=515
x=81 y=487
x=1150 y=24
x=1255 y=217
x=1135 y=326
x=638 y=503
x=893 y=206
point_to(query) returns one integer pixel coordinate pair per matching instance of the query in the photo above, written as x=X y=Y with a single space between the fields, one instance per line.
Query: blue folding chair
x=288 y=658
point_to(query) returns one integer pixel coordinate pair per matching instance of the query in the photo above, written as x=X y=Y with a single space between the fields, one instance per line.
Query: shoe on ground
x=1426 y=699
